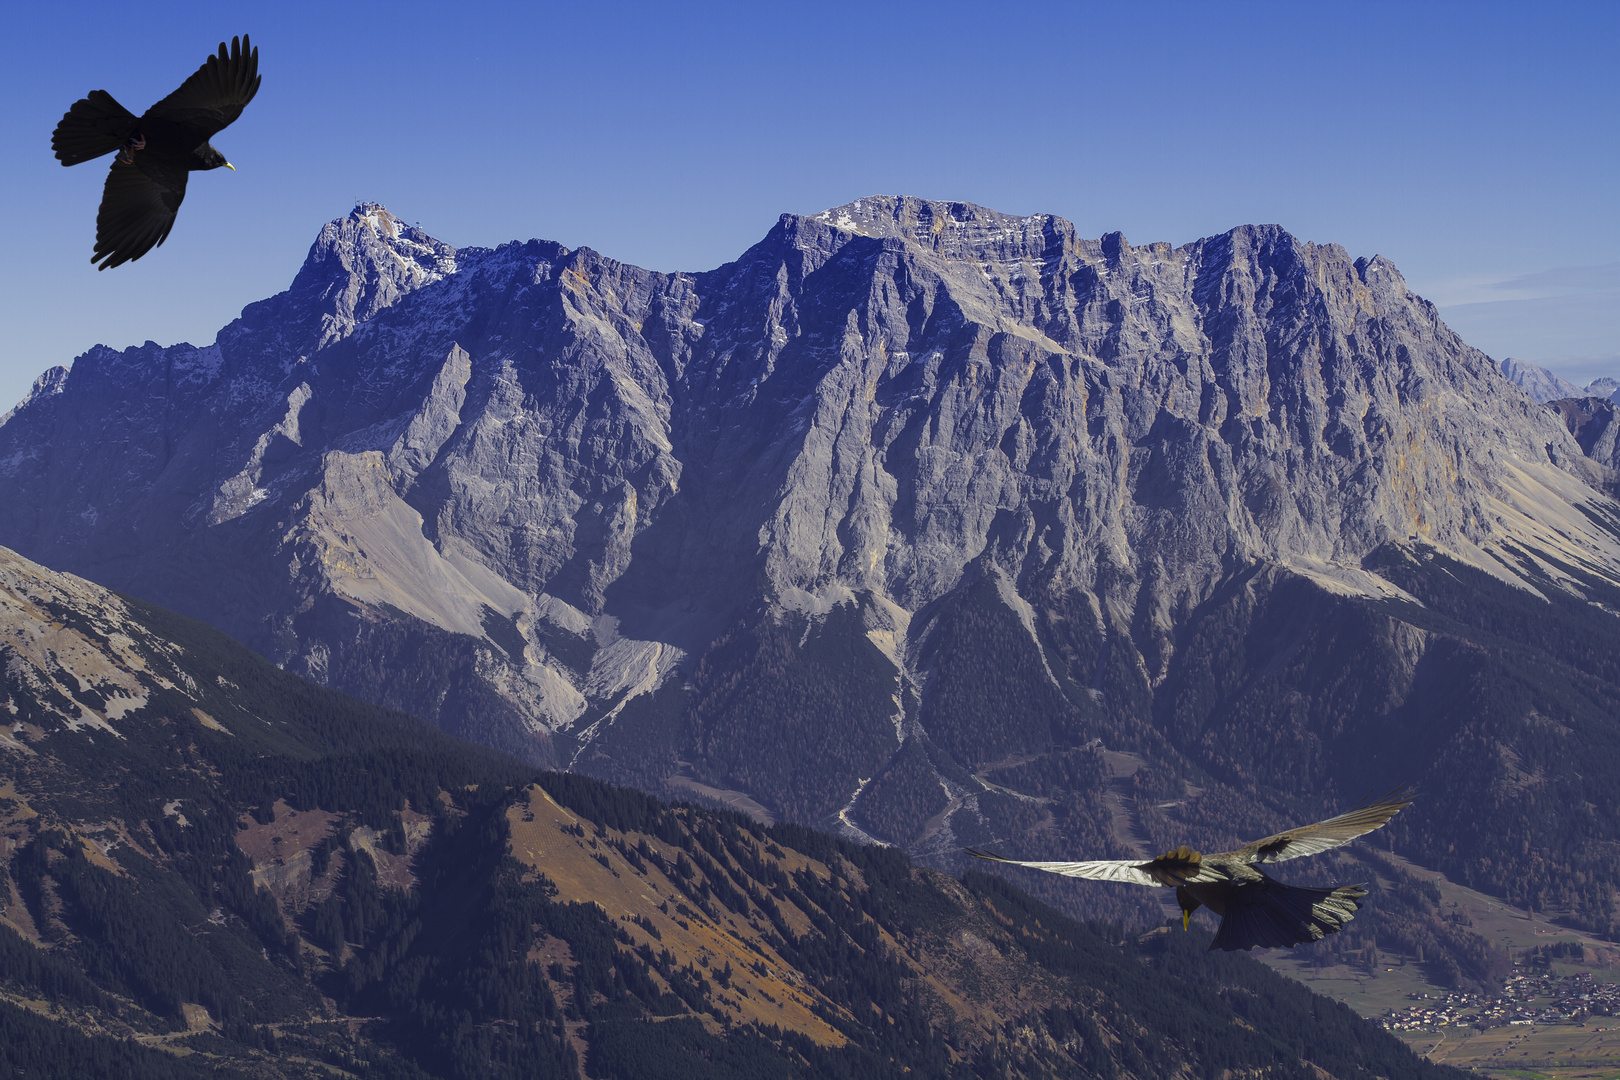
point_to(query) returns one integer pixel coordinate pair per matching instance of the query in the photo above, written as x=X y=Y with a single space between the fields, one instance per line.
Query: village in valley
x=1523 y=1000
x=1553 y=1022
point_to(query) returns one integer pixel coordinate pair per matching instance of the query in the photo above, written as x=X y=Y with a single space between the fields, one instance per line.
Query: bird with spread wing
x=157 y=150
x=1256 y=911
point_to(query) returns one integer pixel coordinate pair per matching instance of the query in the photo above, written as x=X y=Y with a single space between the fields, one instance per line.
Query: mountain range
x=921 y=522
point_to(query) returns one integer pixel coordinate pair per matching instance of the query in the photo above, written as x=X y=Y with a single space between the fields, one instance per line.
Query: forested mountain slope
x=207 y=857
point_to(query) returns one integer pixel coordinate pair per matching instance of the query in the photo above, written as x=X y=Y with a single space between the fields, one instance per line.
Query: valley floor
x=1559 y=1052
x=1400 y=994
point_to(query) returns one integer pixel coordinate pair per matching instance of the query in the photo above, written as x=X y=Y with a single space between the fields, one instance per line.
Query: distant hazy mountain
x=925 y=522
x=1603 y=387
x=1538 y=382
x=1544 y=386
x=209 y=868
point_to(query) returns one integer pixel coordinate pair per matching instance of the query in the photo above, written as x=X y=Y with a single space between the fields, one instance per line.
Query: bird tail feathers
x=1275 y=916
x=95 y=125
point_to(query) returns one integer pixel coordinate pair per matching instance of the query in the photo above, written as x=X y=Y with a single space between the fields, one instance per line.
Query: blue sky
x=1477 y=145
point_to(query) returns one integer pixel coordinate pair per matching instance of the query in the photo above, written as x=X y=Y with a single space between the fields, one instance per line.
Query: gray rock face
x=525 y=491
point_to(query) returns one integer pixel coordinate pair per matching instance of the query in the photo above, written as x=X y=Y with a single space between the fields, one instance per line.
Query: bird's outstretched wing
x=1326 y=835
x=1167 y=870
x=216 y=94
x=138 y=205
x=1130 y=872
x=95 y=125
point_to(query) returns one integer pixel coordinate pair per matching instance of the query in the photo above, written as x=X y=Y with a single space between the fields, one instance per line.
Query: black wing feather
x=1271 y=915
x=216 y=94
x=95 y=125
x=138 y=205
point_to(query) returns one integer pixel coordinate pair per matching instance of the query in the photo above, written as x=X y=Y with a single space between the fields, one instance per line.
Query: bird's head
x=209 y=158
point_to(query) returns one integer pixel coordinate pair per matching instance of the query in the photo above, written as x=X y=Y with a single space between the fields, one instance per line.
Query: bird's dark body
x=1256 y=911
x=157 y=151
x=177 y=144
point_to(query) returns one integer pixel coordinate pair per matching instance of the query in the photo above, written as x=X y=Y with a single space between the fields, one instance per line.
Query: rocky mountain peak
x=370 y=240
x=359 y=265
x=929 y=222
x=363 y=263
x=48 y=385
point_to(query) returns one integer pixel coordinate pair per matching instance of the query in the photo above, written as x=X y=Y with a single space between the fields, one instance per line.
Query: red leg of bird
x=127 y=154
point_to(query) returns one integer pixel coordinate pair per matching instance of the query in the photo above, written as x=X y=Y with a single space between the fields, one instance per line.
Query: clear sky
x=1475 y=144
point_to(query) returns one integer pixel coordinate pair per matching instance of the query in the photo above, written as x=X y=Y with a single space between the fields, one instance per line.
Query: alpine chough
x=156 y=150
x=1255 y=910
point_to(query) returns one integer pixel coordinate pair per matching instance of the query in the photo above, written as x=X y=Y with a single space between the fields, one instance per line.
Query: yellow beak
x=1186 y=917
x=231 y=167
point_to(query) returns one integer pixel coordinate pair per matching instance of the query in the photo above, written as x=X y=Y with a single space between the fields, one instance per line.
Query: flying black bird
x=156 y=150
x=1255 y=910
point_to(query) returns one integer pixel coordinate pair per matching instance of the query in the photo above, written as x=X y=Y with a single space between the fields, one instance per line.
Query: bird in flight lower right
x=1256 y=911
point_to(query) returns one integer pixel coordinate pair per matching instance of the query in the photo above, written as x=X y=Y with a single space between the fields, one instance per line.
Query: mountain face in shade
x=933 y=524
x=1592 y=421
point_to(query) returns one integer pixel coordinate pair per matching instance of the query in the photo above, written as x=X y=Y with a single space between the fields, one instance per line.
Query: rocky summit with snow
x=911 y=500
